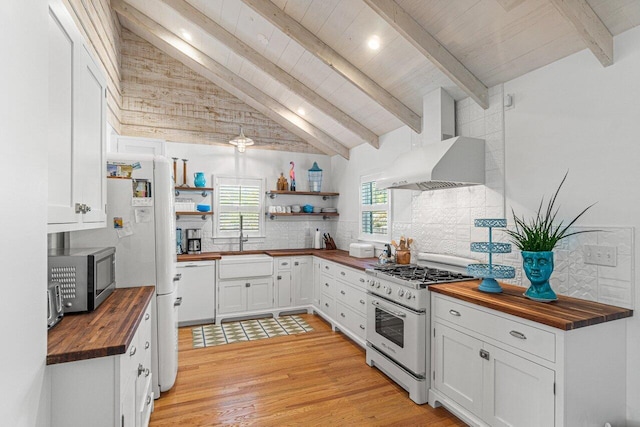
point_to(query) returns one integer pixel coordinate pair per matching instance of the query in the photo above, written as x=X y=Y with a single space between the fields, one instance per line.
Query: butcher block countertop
x=566 y=313
x=336 y=255
x=107 y=331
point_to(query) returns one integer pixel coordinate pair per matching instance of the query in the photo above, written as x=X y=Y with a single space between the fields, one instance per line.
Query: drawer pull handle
x=247 y=285
x=362 y=327
x=133 y=351
x=343 y=292
x=518 y=335
x=343 y=273
x=296 y=263
x=454 y=313
x=285 y=263
x=146 y=345
x=326 y=284
x=279 y=277
x=342 y=314
x=326 y=267
x=361 y=280
x=146 y=372
x=326 y=304
x=361 y=301
x=143 y=370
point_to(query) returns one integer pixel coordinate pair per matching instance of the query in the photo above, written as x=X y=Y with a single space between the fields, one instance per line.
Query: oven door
x=398 y=332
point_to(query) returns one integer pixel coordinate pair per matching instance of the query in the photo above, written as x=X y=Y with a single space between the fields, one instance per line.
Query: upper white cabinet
x=77 y=123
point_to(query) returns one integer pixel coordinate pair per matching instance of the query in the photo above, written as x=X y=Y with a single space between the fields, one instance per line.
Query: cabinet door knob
x=343 y=273
x=296 y=263
x=326 y=284
x=147 y=316
x=343 y=292
x=133 y=351
x=279 y=277
x=361 y=280
x=361 y=301
x=246 y=285
x=362 y=327
x=342 y=314
x=484 y=354
x=146 y=345
x=148 y=400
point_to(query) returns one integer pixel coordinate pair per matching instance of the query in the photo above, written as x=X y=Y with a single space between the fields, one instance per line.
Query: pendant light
x=241 y=141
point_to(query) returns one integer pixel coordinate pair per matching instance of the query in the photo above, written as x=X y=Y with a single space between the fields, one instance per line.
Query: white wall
x=281 y=233
x=24 y=388
x=576 y=115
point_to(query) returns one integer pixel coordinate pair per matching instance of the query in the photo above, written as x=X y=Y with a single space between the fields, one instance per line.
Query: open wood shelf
x=325 y=195
x=191 y=213
x=324 y=215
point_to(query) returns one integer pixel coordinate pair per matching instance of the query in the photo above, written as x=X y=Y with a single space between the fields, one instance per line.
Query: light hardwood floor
x=319 y=378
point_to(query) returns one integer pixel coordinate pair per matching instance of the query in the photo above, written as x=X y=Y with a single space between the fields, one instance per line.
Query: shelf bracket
x=272 y=196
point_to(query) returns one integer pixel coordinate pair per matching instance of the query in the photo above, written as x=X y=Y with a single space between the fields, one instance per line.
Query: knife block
x=403 y=256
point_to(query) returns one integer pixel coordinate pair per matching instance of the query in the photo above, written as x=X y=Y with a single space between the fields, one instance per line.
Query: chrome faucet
x=242 y=238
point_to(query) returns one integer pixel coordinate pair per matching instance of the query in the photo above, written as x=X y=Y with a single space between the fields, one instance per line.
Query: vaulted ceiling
x=306 y=64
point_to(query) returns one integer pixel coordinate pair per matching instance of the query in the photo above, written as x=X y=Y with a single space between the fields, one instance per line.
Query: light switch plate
x=600 y=255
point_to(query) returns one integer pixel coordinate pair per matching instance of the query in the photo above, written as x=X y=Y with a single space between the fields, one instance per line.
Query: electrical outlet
x=600 y=255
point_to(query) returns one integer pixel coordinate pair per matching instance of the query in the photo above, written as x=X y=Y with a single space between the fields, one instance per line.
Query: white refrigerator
x=141 y=226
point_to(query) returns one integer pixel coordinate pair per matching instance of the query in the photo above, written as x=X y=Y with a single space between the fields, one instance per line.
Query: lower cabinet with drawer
x=494 y=369
x=106 y=391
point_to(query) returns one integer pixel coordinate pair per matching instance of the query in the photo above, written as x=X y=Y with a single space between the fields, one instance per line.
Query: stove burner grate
x=420 y=274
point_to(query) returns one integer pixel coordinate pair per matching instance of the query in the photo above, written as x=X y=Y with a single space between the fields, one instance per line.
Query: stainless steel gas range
x=398 y=318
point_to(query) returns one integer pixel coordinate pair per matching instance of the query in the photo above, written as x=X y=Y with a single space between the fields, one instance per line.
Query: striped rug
x=248 y=330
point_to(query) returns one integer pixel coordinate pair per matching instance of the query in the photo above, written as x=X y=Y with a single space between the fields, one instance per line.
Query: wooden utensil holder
x=403 y=257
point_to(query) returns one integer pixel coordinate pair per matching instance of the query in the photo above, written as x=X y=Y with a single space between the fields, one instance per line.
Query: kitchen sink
x=241 y=266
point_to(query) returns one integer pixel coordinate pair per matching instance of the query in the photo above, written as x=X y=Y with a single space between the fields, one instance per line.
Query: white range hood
x=453 y=162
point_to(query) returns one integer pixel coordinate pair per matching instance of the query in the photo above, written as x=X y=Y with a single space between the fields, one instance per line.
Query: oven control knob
x=371 y=282
x=408 y=295
x=377 y=284
x=400 y=292
x=388 y=290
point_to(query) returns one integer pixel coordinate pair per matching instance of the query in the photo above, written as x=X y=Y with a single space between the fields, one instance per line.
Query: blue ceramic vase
x=538 y=267
x=199 y=180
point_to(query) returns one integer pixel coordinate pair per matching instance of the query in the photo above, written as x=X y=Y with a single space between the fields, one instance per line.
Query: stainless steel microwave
x=87 y=276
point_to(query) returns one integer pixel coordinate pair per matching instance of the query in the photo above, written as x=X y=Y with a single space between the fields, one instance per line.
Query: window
x=375 y=208
x=236 y=197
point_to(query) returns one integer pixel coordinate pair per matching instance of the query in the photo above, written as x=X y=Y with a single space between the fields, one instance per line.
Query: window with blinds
x=374 y=210
x=239 y=199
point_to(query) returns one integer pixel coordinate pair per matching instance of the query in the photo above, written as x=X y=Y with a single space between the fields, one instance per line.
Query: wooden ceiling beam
x=590 y=27
x=294 y=85
x=431 y=48
x=508 y=5
x=172 y=45
x=333 y=59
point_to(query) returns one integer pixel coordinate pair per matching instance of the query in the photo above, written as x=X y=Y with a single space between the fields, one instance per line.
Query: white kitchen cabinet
x=77 y=129
x=106 y=391
x=197 y=290
x=302 y=280
x=245 y=296
x=342 y=298
x=283 y=282
x=494 y=369
x=316 y=281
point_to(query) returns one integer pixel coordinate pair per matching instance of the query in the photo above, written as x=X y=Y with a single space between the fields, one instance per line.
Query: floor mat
x=248 y=330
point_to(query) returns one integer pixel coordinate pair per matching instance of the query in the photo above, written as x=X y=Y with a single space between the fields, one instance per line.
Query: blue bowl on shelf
x=203 y=208
x=307 y=209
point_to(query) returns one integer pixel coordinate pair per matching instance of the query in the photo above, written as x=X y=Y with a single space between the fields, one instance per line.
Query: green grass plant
x=539 y=233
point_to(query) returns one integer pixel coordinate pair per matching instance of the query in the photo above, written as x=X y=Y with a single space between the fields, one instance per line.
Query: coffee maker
x=194 y=240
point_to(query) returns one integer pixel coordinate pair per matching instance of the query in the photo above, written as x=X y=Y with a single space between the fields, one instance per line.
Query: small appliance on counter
x=55 y=311
x=361 y=250
x=87 y=276
x=194 y=241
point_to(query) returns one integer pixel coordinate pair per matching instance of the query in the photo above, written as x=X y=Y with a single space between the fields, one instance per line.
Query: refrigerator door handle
x=178 y=302
x=177 y=277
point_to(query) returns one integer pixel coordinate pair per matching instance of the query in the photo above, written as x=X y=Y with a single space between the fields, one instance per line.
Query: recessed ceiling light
x=374 y=43
x=186 y=35
x=301 y=111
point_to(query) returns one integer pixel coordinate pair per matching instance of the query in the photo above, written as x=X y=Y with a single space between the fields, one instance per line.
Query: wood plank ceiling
x=283 y=57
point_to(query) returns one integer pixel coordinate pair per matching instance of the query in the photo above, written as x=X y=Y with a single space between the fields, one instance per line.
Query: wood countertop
x=566 y=313
x=107 y=331
x=336 y=255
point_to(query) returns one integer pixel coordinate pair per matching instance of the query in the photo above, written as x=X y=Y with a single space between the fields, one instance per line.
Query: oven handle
x=394 y=313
